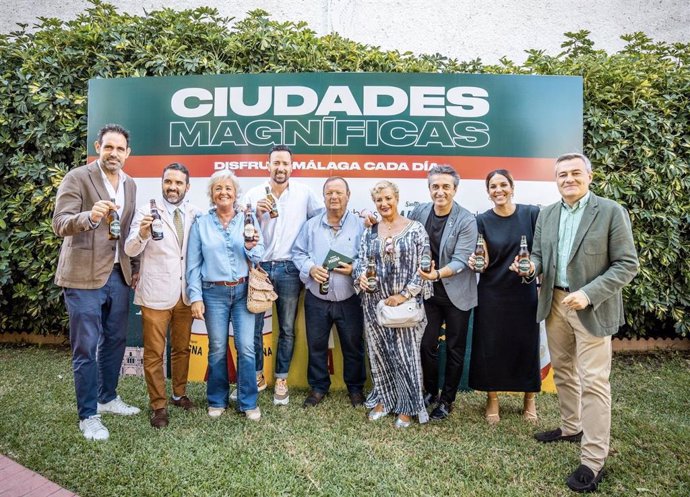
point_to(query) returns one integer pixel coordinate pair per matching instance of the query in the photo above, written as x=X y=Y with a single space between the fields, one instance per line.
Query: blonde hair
x=382 y=185
x=219 y=176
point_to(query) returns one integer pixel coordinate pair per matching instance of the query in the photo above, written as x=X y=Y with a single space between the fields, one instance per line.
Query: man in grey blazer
x=583 y=249
x=95 y=274
x=162 y=290
x=452 y=234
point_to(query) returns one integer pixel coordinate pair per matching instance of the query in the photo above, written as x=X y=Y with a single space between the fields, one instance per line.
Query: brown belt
x=562 y=288
x=228 y=283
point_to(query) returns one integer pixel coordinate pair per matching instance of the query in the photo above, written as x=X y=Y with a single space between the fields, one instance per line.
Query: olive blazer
x=602 y=261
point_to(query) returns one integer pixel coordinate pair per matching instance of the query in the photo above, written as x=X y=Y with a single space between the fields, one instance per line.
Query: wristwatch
x=405 y=293
x=438 y=276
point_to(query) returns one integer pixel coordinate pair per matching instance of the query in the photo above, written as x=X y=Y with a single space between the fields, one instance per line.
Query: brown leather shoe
x=184 y=402
x=159 y=418
x=313 y=399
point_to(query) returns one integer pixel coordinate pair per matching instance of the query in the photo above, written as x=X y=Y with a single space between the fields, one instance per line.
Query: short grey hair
x=219 y=176
x=574 y=155
x=382 y=185
x=444 y=169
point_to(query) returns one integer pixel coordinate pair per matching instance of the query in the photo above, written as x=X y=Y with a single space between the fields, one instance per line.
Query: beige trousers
x=581 y=367
x=155 y=328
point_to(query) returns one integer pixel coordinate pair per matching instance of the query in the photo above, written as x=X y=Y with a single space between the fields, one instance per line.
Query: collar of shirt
x=171 y=207
x=580 y=204
x=337 y=227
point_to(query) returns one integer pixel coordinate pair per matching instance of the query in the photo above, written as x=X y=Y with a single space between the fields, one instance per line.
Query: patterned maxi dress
x=394 y=356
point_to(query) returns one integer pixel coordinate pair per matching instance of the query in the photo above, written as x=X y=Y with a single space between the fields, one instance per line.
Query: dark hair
x=112 y=128
x=444 y=169
x=176 y=166
x=502 y=172
x=331 y=179
x=280 y=148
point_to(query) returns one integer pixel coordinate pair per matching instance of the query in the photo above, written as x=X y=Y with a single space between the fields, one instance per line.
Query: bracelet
x=438 y=275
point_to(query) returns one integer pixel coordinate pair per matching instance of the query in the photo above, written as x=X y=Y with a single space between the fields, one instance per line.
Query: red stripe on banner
x=350 y=166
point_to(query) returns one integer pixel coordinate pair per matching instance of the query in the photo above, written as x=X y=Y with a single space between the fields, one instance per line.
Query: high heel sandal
x=491 y=413
x=529 y=412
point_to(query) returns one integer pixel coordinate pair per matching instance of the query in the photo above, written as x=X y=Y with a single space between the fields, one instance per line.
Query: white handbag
x=405 y=315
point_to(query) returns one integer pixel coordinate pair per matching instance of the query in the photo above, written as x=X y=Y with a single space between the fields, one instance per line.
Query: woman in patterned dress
x=395 y=245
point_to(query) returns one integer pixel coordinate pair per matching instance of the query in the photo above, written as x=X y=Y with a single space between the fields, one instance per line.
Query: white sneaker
x=253 y=414
x=281 y=396
x=215 y=412
x=117 y=406
x=233 y=395
x=93 y=429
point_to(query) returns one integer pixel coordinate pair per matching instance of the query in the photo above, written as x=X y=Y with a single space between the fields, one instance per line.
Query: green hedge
x=636 y=130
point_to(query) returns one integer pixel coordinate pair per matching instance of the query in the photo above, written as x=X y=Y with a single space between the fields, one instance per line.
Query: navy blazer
x=457 y=244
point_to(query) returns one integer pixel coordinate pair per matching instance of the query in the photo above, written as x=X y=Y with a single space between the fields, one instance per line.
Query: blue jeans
x=285 y=278
x=223 y=304
x=98 y=335
x=320 y=315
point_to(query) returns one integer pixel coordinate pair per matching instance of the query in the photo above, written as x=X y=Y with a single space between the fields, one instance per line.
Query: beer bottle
x=274 y=203
x=323 y=287
x=157 y=224
x=426 y=258
x=523 y=257
x=248 y=224
x=480 y=255
x=113 y=223
x=372 y=280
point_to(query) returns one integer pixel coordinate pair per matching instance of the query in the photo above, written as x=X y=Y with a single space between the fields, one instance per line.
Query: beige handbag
x=260 y=293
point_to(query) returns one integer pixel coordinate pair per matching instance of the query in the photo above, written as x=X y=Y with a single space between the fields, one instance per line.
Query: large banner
x=363 y=126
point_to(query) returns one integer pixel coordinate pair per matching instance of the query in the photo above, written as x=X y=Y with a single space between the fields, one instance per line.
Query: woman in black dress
x=505 y=343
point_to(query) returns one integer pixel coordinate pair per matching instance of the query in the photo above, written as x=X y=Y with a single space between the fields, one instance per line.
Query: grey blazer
x=602 y=261
x=457 y=243
x=86 y=257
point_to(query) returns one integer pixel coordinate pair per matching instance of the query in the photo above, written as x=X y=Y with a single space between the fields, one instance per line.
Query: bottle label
x=524 y=265
x=426 y=263
x=115 y=228
x=248 y=231
x=479 y=262
x=371 y=284
x=157 y=227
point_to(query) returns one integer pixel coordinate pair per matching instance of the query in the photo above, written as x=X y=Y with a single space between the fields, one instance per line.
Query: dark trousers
x=320 y=315
x=98 y=335
x=441 y=310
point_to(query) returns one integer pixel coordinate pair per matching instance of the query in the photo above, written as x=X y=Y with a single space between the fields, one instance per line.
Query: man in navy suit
x=583 y=249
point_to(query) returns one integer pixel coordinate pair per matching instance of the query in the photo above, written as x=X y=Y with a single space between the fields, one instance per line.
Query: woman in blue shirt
x=217 y=271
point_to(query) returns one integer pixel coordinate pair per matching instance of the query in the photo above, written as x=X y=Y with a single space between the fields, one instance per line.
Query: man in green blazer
x=583 y=249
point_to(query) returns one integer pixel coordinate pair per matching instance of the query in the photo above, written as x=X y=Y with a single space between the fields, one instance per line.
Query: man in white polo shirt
x=295 y=203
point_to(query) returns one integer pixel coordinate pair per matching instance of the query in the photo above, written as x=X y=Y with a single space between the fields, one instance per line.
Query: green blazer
x=602 y=261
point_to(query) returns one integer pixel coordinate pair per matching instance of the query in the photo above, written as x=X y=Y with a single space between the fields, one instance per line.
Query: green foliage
x=636 y=129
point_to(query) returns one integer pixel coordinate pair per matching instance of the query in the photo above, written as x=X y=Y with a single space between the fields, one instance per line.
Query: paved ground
x=18 y=481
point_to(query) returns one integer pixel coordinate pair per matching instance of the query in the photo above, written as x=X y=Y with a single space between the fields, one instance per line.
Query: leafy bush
x=636 y=129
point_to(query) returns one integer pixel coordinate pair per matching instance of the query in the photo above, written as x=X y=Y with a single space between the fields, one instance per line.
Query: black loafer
x=583 y=479
x=557 y=436
x=356 y=399
x=441 y=411
x=313 y=399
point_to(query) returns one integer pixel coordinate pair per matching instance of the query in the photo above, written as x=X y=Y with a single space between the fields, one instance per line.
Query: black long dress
x=505 y=340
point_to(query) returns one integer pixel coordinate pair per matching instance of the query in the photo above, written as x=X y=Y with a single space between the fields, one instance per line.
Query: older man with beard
x=161 y=292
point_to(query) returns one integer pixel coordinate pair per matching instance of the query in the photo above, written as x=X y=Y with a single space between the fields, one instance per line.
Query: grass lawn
x=332 y=449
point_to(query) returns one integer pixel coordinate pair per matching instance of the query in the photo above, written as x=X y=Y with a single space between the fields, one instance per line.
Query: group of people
x=351 y=266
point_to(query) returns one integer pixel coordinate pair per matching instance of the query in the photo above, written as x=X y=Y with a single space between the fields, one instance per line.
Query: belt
x=562 y=288
x=228 y=283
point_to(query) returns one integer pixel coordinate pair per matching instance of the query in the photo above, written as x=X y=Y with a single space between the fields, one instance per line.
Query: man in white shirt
x=161 y=289
x=95 y=275
x=295 y=203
